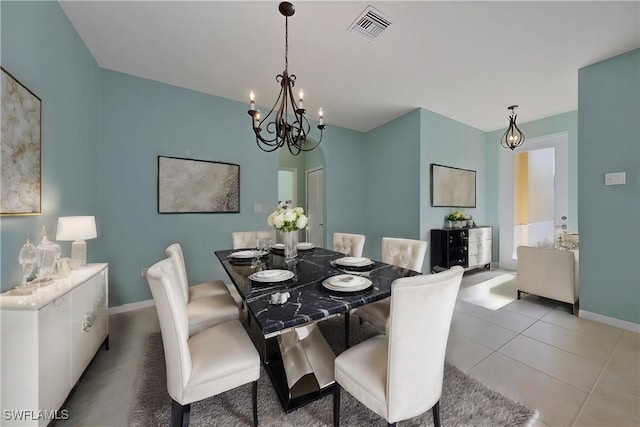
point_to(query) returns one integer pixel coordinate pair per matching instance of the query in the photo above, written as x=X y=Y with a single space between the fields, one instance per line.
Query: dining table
x=286 y=310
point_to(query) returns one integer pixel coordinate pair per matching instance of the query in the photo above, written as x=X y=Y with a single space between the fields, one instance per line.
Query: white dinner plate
x=304 y=246
x=346 y=283
x=271 y=276
x=279 y=246
x=247 y=254
x=351 y=261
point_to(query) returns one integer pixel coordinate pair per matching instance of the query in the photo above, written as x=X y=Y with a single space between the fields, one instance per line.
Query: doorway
x=315 y=206
x=533 y=194
x=287 y=185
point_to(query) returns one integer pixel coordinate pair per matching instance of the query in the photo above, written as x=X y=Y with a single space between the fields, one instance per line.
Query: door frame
x=560 y=143
x=324 y=215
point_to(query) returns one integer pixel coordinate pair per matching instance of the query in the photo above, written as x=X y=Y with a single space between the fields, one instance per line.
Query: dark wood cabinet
x=467 y=247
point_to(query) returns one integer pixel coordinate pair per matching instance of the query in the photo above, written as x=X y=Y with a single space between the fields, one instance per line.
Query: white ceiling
x=464 y=60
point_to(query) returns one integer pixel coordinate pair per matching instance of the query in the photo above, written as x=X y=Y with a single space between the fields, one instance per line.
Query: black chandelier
x=513 y=137
x=278 y=131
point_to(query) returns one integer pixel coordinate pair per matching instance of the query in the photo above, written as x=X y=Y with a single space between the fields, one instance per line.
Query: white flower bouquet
x=287 y=219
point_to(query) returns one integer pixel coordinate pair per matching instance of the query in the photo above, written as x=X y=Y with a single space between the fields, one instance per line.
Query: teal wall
x=391 y=160
x=143 y=119
x=102 y=132
x=448 y=142
x=609 y=128
x=64 y=75
x=566 y=122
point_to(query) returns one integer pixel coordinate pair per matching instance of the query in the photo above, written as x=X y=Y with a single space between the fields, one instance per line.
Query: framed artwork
x=452 y=187
x=20 y=157
x=197 y=186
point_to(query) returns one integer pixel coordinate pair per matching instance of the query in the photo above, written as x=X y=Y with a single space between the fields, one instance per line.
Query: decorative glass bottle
x=48 y=254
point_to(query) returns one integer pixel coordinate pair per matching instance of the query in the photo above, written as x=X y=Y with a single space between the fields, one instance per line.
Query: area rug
x=464 y=401
x=493 y=293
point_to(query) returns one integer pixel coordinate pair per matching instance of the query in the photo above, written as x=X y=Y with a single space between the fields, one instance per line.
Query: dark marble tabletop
x=309 y=300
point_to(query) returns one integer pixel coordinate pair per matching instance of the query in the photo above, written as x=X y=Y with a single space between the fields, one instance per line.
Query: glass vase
x=290 y=240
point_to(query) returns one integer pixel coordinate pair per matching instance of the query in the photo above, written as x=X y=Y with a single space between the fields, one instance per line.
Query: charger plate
x=346 y=283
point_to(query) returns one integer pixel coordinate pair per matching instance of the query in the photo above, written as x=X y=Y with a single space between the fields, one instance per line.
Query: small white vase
x=290 y=240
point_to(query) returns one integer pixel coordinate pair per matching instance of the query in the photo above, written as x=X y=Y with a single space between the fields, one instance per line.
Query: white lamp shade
x=76 y=228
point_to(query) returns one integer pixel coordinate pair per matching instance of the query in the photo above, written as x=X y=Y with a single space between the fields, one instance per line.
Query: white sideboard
x=47 y=340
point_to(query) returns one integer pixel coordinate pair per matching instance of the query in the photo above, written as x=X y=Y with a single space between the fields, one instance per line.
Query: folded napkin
x=353 y=261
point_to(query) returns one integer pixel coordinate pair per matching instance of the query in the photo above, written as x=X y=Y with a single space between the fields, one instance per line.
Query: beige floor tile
x=532 y=306
x=464 y=353
x=595 y=347
x=619 y=384
x=597 y=412
x=558 y=403
x=567 y=320
x=503 y=318
x=481 y=331
x=570 y=368
x=538 y=423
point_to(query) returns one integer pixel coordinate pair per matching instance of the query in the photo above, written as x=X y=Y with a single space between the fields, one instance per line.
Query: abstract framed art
x=452 y=187
x=197 y=186
x=20 y=141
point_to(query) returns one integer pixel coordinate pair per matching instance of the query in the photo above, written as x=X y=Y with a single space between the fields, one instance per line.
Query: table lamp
x=77 y=229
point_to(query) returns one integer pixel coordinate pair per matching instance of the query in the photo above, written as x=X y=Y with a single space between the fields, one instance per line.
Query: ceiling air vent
x=370 y=24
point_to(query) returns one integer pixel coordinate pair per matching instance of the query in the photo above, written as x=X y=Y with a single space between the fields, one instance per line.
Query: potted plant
x=456 y=219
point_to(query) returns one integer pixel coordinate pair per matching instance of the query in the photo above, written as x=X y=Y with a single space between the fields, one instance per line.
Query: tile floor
x=573 y=371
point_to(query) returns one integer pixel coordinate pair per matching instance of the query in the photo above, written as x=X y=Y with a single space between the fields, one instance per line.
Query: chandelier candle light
x=513 y=137
x=278 y=130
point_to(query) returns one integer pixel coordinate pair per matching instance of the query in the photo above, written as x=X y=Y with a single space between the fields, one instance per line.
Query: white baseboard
x=132 y=306
x=611 y=321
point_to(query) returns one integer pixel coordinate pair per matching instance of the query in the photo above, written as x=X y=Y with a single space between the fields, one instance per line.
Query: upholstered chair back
x=405 y=253
x=420 y=317
x=174 y=324
x=348 y=244
x=174 y=252
x=249 y=239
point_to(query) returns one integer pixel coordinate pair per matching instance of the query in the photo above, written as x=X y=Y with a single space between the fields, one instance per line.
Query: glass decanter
x=28 y=260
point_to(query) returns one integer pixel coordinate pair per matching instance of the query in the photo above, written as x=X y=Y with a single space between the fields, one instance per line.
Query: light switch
x=615 y=178
x=257 y=208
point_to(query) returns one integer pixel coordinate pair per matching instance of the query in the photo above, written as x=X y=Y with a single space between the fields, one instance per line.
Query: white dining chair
x=200 y=290
x=207 y=304
x=399 y=375
x=348 y=244
x=249 y=239
x=403 y=253
x=210 y=362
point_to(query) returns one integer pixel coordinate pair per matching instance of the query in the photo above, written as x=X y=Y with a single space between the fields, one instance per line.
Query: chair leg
x=436 y=414
x=336 y=405
x=519 y=292
x=180 y=414
x=347 y=329
x=186 y=415
x=255 y=403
